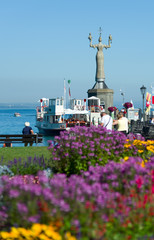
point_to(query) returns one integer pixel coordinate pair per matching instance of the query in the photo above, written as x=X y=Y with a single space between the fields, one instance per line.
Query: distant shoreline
x=34 y=105
x=17 y=106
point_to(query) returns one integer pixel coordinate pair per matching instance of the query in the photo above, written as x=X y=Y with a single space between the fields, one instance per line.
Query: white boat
x=49 y=118
x=52 y=117
x=17 y=114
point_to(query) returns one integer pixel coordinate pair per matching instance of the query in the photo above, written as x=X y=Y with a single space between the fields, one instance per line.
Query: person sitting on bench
x=26 y=131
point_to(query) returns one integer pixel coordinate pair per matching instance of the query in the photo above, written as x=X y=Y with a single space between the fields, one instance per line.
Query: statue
x=100 y=76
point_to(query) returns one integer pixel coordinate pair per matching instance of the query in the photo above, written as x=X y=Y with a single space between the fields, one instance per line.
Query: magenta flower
x=139 y=182
x=128 y=105
x=112 y=109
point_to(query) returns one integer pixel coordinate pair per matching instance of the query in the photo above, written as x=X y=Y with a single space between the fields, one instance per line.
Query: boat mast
x=64 y=95
x=69 y=82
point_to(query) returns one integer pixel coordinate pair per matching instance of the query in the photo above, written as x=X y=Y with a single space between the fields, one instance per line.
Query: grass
x=23 y=152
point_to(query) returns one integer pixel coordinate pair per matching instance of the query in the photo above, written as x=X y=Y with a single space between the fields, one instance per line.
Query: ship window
x=102 y=102
x=78 y=102
x=92 y=102
x=56 y=119
x=61 y=102
x=52 y=102
x=58 y=102
x=51 y=119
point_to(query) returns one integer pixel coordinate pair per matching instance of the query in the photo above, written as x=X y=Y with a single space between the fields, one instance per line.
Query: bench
x=20 y=138
x=148 y=132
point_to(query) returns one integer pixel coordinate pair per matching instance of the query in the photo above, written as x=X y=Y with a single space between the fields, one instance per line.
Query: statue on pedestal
x=100 y=75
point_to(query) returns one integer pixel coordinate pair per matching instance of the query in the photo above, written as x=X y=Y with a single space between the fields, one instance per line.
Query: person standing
x=106 y=120
x=127 y=122
x=121 y=122
x=27 y=130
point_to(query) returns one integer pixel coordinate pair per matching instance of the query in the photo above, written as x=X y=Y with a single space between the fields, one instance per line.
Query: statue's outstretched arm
x=109 y=42
x=90 y=39
x=93 y=46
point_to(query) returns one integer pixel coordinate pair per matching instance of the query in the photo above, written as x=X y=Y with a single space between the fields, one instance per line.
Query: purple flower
x=22 y=208
x=34 y=219
x=14 y=193
x=91 y=154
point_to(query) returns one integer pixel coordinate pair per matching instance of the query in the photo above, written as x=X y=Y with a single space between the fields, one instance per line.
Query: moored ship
x=52 y=117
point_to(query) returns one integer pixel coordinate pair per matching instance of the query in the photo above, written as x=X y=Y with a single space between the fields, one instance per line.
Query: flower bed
x=82 y=147
x=85 y=205
x=108 y=194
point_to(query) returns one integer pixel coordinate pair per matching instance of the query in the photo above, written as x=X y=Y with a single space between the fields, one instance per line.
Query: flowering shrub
x=37 y=231
x=87 y=206
x=82 y=147
x=128 y=105
x=28 y=166
x=132 y=137
x=112 y=109
x=139 y=148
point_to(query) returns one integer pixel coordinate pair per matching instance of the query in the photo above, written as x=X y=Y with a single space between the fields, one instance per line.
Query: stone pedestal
x=105 y=96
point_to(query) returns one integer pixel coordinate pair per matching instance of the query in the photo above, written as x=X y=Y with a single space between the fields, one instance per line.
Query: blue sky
x=44 y=41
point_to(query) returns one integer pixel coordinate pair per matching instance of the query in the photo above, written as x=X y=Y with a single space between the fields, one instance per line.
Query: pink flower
x=152 y=176
x=139 y=182
x=145 y=199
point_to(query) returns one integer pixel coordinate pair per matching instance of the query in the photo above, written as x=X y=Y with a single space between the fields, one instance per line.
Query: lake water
x=9 y=124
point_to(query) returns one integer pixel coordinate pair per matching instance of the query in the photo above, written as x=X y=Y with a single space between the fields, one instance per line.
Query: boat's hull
x=50 y=129
x=50 y=132
x=17 y=115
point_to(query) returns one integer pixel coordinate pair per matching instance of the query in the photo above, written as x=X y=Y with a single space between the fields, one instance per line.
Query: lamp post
x=123 y=95
x=143 y=90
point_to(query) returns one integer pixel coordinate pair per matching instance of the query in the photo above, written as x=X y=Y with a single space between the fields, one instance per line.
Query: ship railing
x=39 y=113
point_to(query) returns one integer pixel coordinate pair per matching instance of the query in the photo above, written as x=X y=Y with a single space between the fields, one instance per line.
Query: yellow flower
x=69 y=237
x=43 y=232
x=14 y=233
x=140 y=151
x=150 y=148
x=43 y=237
x=44 y=227
x=126 y=158
x=5 y=235
x=127 y=145
x=142 y=164
x=37 y=228
x=50 y=233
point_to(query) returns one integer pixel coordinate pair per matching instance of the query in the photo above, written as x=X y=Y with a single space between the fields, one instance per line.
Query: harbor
x=76 y=120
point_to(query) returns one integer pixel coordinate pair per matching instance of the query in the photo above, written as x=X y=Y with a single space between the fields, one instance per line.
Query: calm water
x=14 y=125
